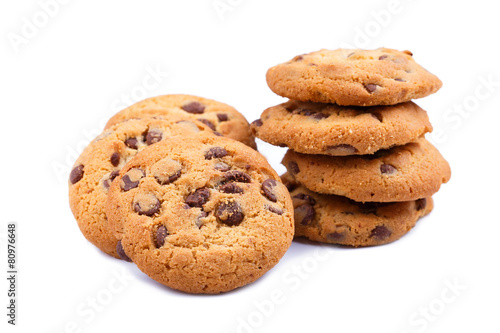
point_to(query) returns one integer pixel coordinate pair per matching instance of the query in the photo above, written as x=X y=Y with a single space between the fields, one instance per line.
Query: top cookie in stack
x=354 y=134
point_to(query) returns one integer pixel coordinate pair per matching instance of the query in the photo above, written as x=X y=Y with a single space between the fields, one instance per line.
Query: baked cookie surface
x=220 y=117
x=338 y=220
x=203 y=214
x=403 y=173
x=101 y=161
x=353 y=77
x=330 y=129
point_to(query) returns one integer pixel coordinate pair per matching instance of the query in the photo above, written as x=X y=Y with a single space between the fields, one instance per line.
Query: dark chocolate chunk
x=76 y=174
x=198 y=198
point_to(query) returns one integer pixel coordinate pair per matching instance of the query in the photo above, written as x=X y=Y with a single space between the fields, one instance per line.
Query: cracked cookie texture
x=338 y=220
x=330 y=129
x=353 y=77
x=220 y=117
x=100 y=162
x=201 y=214
x=403 y=173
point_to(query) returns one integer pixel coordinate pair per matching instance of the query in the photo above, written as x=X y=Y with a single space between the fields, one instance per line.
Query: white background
x=63 y=78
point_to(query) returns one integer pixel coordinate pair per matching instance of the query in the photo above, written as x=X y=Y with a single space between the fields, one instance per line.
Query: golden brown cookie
x=338 y=220
x=330 y=129
x=100 y=163
x=403 y=173
x=203 y=214
x=218 y=116
x=353 y=77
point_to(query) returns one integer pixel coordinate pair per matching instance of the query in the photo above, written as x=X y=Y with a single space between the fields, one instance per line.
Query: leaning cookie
x=330 y=129
x=338 y=220
x=204 y=214
x=353 y=77
x=403 y=173
x=218 y=116
x=100 y=163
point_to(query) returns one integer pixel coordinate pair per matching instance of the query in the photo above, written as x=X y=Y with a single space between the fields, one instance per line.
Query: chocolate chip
x=166 y=171
x=408 y=53
x=121 y=252
x=146 y=204
x=229 y=212
x=76 y=174
x=208 y=123
x=131 y=143
x=304 y=214
x=298 y=58
x=301 y=199
x=198 y=222
x=198 y=198
x=267 y=187
x=350 y=54
x=170 y=179
x=399 y=80
x=237 y=176
x=304 y=111
x=131 y=179
x=371 y=87
x=335 y=236
x=215 y=152
x=217 y=133
x=230 y=188
x=275 y=210
x=154 y=136
x=387 y=169
x=320 y=115
x=115 y=159
x=222 y=117
x=342 y=149
x=161 y=234
x=382 y=57
x=420 y=204
x=194 y=107
x=380 y=232
x=293 y=167
x=282 y=145
x=112 y=176
x=257 y=123
x=221 y=166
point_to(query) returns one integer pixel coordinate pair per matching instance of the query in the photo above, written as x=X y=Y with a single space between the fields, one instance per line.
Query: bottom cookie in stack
x=338 y=220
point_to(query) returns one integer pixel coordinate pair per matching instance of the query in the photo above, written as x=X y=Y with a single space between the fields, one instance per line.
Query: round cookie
x=353 y=77
x=339 y=220
x=403 y=173
x=100 y=163
x=203 y=214
x=218 y=116
x=330 y=129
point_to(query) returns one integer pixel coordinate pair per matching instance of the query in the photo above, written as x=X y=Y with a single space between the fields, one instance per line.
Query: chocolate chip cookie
x=218 y=116
x=330 y=129
x=100 y=163
x=203 y=214
x=339 y=220
x=353 y=77
x=403 y=173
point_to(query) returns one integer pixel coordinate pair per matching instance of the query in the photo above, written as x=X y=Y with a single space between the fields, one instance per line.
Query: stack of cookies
x=168 y=186
x=360 y=171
